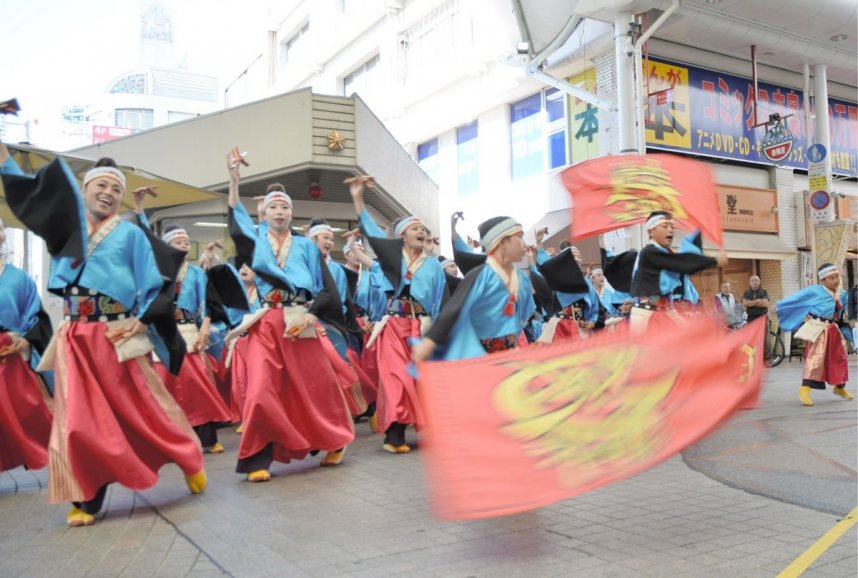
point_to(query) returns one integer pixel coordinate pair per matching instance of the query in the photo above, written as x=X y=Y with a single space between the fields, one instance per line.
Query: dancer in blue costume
x=822 y=305
x=25 y=405
x=492 y=305
x=416 y=287
x=106 y=271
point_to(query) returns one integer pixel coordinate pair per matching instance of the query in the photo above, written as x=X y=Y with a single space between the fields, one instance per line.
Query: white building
x=445 y=77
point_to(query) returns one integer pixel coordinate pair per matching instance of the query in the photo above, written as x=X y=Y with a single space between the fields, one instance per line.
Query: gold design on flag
x=585 y=409
x=747 y=364
x=640 y=189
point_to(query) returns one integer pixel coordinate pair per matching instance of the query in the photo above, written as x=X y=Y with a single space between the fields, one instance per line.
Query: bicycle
x=775 y=351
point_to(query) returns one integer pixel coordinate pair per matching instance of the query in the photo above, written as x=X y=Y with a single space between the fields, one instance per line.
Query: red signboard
x=105 y=133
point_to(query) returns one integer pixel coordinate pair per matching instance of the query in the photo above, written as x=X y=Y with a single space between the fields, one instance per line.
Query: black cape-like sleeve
x=37 y=200
x=40 y=334
x=388 y=253
x=468 y=261
x=563 y=273
x=442 y=327
x=618 y=269
x=161 y=313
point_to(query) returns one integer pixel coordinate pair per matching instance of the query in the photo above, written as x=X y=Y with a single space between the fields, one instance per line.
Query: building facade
x=446 y=78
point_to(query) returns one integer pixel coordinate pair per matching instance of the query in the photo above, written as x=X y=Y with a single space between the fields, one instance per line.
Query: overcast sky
x=65 y=52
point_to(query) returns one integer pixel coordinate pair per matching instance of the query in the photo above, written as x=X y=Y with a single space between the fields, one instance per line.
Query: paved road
x=746 y=501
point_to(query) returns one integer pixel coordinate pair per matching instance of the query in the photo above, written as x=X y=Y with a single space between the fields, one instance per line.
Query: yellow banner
x=584 y=119
x=668 y=113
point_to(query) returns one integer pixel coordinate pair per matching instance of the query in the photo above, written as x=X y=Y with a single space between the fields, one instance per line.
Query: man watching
x=755 y=300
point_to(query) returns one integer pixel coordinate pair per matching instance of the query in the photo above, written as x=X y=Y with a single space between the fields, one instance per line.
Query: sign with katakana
x=708 y=113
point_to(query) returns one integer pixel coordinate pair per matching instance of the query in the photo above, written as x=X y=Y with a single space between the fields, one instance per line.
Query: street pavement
x=746 y=501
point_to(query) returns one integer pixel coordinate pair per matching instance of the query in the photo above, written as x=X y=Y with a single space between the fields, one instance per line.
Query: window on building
x=131 y=84
x=467 y=152
x=134 y=118
x=365 y=80
x=555 y=128
x=538 y=128
x=427 y=158
x=433 y=46
x=294 y=47
x=525 y=135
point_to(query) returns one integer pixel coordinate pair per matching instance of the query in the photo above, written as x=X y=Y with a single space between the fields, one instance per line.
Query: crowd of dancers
x=155 y=353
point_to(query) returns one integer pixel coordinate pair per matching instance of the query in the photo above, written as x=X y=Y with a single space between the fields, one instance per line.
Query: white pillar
x=822 y=133
x=624 y=57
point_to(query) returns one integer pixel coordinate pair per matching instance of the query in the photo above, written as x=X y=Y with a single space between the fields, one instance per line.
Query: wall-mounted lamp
x=315 y=191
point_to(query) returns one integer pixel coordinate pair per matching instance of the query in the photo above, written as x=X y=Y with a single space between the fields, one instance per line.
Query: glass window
x=427 y=158
x=467 y=152
x=293 y=47
x=135 y=118
x=557 y=149
x=525 y=133
x=364 y=81
x=131 y=84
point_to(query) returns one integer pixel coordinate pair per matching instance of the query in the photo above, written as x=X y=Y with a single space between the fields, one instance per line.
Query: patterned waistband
x=823 y=319
x=570 y=312
x=658 y=303
x=405 y=308
x=88 y=305
x=495 y=344
x=184 y=317
x=278 y=298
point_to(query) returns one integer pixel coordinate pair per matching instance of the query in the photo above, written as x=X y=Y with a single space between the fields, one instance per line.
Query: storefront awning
x=752 y=246
x=170 y=192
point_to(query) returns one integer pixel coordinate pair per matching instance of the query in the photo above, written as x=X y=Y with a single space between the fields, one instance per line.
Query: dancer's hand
x=423 y=349
x=309 y=320
x=18 y=345
x=123 y=332
x=140 y=194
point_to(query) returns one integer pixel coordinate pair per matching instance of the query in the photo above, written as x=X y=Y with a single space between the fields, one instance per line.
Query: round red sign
x=819 y=200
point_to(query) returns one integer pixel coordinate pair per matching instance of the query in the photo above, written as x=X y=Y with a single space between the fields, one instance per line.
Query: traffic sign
x=819 y=200
x=816 y=153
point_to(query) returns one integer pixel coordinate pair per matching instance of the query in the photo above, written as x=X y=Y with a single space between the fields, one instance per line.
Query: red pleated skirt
x=238 y=379
x=397 y=390
x=113 y=422
x=346 y=377
x=195 y=390
x=25 y=416
x=826 y=358
x=293 y=398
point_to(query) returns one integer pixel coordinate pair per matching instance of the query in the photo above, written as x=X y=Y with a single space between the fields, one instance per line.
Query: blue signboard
x=709 y=113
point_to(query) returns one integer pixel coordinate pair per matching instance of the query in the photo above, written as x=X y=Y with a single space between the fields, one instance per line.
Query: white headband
x=170 y=236
x=447 y=262
x=404 y=223
x=596 y=270
x=109 y=172
x=319 y=229
x=498 y=233
x=349 y=246
x=657 y=220
x=827 y=271
x=276 y=196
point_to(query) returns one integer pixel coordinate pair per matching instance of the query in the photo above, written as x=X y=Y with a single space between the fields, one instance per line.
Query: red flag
x=519 y=430
x=616 y=191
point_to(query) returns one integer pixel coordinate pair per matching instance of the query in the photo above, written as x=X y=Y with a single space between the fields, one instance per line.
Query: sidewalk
x=746 y=501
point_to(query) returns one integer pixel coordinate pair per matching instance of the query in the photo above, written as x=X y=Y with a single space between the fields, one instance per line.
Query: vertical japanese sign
x=709 y=113
x=668 y=118
x=584 y=119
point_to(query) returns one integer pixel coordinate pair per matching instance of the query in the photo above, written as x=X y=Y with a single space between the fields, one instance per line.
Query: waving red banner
x=617 y=191
x=519 y=430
